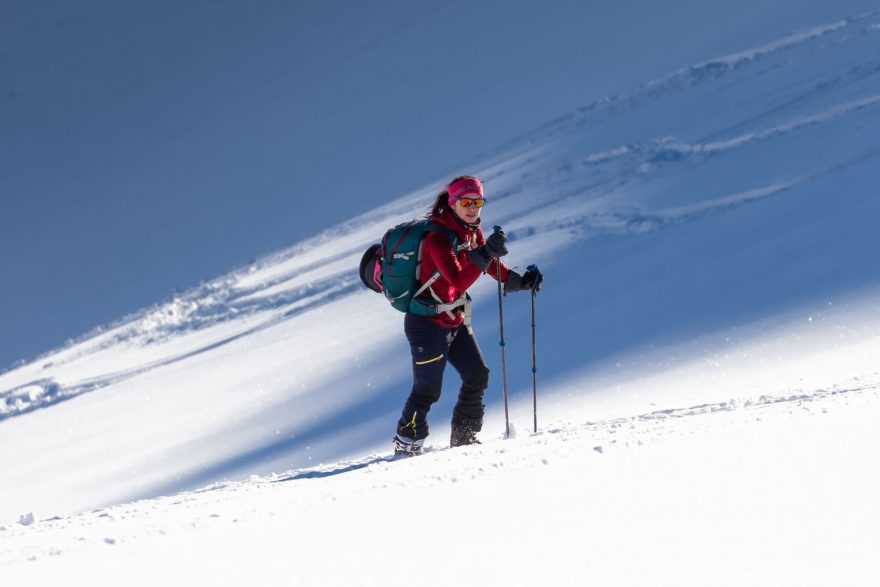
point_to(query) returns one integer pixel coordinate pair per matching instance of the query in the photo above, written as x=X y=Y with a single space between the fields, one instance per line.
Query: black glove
x=531 y=279
x=496 y=246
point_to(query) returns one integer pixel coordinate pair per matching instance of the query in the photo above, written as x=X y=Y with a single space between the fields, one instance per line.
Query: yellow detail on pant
x=412 y=423
x=434 y=360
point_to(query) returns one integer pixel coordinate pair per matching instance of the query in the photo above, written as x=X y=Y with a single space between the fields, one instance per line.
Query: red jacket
x=457 y=271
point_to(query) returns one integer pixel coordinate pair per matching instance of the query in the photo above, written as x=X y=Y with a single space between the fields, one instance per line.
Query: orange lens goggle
x=468 y=202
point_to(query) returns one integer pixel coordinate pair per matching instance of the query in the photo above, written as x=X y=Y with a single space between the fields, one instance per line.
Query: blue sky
x=145 y=146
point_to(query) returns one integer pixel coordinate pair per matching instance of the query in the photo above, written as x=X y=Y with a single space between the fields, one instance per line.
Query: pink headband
x=459 y=189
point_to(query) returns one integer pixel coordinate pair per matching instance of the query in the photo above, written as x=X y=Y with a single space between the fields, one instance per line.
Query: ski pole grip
x=496 y=229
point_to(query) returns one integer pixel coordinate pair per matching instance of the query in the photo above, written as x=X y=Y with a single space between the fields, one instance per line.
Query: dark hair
x=441 y=204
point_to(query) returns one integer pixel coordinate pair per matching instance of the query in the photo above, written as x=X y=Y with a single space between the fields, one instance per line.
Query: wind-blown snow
x=708 y=385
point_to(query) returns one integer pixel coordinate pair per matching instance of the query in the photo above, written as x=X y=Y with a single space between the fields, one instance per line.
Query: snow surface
x=758 y=492
x=708 y=381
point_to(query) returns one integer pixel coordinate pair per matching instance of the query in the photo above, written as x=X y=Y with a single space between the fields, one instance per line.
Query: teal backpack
x=392 y=267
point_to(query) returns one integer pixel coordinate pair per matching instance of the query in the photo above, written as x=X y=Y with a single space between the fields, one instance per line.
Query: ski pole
x=503 y=357
x=534 y=363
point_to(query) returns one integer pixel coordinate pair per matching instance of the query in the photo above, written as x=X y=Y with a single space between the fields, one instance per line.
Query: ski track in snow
x=695 y=75
x=637 y=159
x=43 y=393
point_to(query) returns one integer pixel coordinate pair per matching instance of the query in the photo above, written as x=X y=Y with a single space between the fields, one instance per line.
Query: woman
x=447 y=336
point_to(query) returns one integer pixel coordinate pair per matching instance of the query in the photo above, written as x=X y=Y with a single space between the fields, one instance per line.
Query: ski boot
x=465 y=432
x=407 y=447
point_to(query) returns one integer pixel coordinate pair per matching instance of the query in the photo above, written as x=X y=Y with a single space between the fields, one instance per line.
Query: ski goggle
x=468 y=202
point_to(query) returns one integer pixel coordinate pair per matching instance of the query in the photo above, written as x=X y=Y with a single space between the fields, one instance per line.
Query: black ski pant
x=432 y=346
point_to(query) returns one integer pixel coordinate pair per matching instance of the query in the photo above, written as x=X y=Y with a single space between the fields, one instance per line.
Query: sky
x=147 y=146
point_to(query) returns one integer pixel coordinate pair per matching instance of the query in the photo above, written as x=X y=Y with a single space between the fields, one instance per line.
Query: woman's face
x=466 y=209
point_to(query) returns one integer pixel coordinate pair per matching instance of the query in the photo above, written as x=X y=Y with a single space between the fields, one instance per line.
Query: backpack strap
x=425 y=307
x=427 y=285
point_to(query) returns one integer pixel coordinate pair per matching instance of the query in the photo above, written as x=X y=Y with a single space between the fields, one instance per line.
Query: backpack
x=392 y=266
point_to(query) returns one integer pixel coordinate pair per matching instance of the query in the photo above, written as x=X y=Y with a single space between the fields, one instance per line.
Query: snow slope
x=149 y=145
x=754 y=493
x=708 y=338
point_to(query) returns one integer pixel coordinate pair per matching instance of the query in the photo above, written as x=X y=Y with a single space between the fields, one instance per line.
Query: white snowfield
x=760 y=491
x=709 y=384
